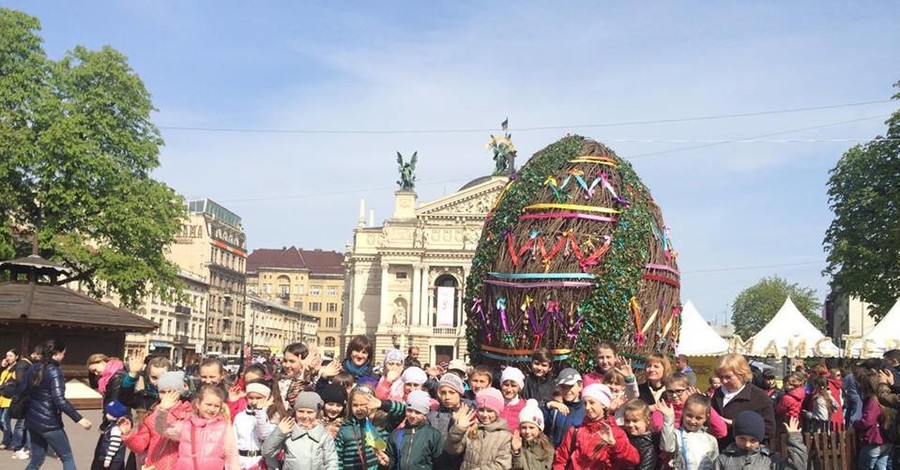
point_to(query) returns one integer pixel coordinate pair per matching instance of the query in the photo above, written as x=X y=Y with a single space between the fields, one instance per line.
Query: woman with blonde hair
x=738 y=394
x=656 y=370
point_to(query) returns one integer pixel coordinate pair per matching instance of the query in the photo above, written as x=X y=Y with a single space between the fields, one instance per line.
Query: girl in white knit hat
x=512 y=381
x=531 y=448
x=254 y=424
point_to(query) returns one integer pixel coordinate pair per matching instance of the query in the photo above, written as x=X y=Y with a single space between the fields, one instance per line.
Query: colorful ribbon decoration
x=478 y=309
x=663 y=267
x=523 y=359
x=501 y=307
x=572 y=331
x=541 y=275
x=595 y=159
x=572 y=207
x=601 y=178
x=568 y=215
x=566 y=241
x=663 y=237
x=649 y=322
x=604 y=180
x=638 y=330
x=558 y=192
x=663 y=279
x=541 y=285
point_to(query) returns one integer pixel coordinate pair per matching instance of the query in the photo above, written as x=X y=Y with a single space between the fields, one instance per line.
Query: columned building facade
x=405 y=281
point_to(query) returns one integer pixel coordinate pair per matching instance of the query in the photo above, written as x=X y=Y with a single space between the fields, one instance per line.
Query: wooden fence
x=828 y=450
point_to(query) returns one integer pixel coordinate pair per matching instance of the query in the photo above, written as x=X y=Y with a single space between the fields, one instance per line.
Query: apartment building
x=308 y=281
x=271 y=326
x=212 y=243
x=180 y=332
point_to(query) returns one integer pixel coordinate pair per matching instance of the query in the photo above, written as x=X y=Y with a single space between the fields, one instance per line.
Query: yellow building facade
x=307 y=281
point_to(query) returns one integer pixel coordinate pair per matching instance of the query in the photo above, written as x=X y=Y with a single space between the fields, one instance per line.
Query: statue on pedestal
x=407 y=172
x=504 y=151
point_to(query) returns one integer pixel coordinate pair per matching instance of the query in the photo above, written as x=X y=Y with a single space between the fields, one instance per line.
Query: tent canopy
x=790 y=334
x=696 y=337
x=885 y=336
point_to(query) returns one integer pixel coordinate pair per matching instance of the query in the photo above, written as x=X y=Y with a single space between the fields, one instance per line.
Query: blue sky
x=466 y=65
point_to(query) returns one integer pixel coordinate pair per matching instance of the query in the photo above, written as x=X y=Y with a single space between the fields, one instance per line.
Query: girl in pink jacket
x=205 y=439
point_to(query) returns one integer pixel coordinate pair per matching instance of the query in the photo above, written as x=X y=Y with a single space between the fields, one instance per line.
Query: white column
x=384 y=295
x=415 y=304
x=424 y=314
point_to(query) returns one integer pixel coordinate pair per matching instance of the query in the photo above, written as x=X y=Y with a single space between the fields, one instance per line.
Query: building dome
x=476 y=182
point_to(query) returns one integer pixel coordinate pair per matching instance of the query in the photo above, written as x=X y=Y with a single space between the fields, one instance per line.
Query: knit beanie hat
x=259 y=388
x=511 y=373
x=414 y=375
x=172 y=380
x=334 y=393
x=490 y=398
x=749 y=423
x=598 y=392
x=532 y=414
x=116 y=409
x=418 y=400
x=392 y=355
x=452 y=381
x=308 y=401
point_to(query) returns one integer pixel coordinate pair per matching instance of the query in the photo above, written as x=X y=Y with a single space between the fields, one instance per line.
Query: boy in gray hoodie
x=747 y=452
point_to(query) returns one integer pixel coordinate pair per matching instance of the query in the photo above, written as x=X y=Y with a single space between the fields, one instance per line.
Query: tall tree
x=863 y=241
x=76 y=150
x=755 y=306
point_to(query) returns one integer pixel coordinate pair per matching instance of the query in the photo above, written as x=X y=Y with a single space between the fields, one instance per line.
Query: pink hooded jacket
x=203 y=444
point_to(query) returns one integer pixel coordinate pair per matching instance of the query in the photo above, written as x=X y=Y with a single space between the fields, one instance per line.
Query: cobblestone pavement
x=82 y=442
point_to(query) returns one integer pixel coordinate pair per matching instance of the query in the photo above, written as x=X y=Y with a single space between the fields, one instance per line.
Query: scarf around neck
x=112 y=366
x=357 y=371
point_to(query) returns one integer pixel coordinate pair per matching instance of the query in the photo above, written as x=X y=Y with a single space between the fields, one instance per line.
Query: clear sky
x=751 y=206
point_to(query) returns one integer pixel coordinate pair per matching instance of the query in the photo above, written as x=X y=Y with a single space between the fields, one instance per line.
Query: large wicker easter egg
x=575 y=252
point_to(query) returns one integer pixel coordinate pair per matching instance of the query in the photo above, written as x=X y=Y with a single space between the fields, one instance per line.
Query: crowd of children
x=342 y=416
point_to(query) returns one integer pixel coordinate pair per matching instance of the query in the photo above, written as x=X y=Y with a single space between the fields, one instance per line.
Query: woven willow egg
x=575 y=252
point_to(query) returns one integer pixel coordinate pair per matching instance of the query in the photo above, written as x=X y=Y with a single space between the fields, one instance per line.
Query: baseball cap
x=568 y=376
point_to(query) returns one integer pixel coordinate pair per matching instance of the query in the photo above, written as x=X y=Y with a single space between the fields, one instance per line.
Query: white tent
x=790 y=334
x=696 y=337
x=885 y=336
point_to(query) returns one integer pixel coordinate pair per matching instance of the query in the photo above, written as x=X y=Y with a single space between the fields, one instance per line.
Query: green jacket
x=533 y=457
x=416 y=448
x=350 y=442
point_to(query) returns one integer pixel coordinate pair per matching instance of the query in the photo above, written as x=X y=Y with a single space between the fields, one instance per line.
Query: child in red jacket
x=598 y=443
x=791 y=402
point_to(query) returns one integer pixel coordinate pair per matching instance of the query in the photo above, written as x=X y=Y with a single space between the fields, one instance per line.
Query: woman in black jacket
x=46 y=387
x=738 y=394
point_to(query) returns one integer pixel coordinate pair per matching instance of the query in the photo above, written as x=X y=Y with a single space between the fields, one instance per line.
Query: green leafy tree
x=755 y=306
x=863 y=241
x=76 y=150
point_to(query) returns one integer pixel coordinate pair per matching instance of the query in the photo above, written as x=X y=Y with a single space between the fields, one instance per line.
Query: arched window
x=446 y=301
x=284 y=286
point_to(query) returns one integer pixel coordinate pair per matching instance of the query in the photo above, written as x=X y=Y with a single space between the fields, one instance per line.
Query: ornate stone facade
x=394 y=272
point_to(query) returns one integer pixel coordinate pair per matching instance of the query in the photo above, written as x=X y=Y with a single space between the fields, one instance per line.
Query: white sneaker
x=21 y=454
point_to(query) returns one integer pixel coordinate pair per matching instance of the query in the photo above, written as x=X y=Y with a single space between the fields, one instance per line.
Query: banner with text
x=445 y=300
